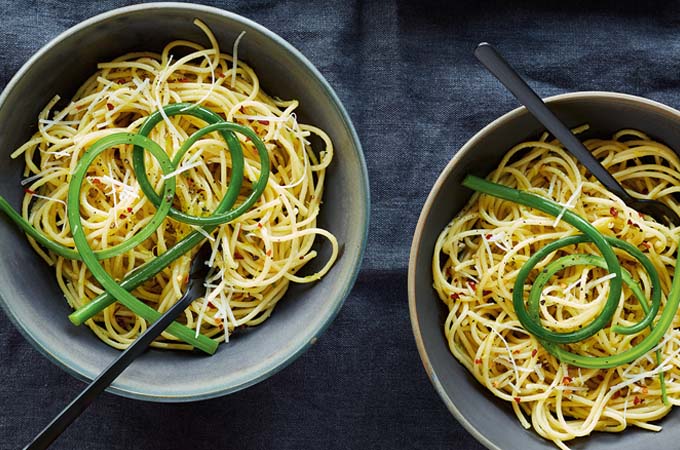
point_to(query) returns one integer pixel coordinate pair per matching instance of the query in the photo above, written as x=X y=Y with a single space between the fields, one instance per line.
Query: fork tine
x=659 y=211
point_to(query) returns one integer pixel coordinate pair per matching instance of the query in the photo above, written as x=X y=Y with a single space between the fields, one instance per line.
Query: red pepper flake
x=613 y=211
x=221 y=327
x=630 y=222
x=211 y=305
x=264 y=122
x=647 y=244
x=640 y=215
x=237 y=255
x=184 y=80
x=122 y=216
x=485 y=292
x=478 y=361
x=96 y=181
x=121 y=81
x=453 y=296
x=488 y=236
x=269 y=252
x=566 y=380
x=533 y=352
x=637 y=400
x=616 y=395
x=129 y=209
x=29 y=191
x=517 y=399
x=109 y=106
x=259 y=225
x=472 y=285
x=220 y=74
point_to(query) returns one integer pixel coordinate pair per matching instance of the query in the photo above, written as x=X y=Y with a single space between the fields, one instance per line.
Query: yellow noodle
x=254 y=258
x=477 y=258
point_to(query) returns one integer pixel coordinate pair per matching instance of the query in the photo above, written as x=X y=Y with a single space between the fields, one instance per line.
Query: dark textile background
x=406 y=74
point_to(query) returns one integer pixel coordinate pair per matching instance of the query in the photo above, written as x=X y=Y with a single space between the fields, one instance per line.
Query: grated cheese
x=499 y=237
x=551 y=188
x=538 y=368
x=507 y=347
x=159 y=104
x=235 y=53
x=263 y=118
x=57 y=154
x=488 y=249
x=561 y=387
x=210 y=89
x=32 y=178
x=569 y=204
x=50 y=123
x=181 y=169
x=49 y=199
x=663 y=367
x=203 y=232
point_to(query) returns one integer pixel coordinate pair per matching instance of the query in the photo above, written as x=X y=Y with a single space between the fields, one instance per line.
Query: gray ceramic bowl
x=490 y=420
x=28 y=289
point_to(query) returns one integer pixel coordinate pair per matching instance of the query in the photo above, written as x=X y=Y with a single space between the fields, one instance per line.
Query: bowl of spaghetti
x=543 y=307
x=176 y=124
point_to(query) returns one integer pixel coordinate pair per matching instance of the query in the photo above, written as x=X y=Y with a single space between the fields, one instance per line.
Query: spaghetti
x=169 y=98
x=480 y=255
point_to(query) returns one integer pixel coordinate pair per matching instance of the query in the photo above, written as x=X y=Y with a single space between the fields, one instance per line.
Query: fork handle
x=87 y=396
x=500 y=68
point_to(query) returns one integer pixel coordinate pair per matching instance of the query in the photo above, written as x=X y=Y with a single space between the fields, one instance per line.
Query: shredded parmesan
x=570 y=203
x=262 y=118
x=49 y=199
x=181 y=169
x=498 y=238
x=37 y=176
x=539 y=371
x=507 y=347
x=641 y=376
x=50 y=123
x=210 y=89
x=203 y=232
x=235 y=55
x=488 y=250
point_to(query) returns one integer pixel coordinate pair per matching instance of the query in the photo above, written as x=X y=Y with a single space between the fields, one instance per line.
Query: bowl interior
x=32 y=298
x=489 y=419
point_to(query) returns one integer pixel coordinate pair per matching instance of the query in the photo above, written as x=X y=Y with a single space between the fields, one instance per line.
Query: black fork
x=495 y=63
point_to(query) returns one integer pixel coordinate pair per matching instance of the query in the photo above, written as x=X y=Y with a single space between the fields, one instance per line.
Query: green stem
x=88 y=255
x=150 y=269
x=553 y=347
x=550 y=207
x=222 y=214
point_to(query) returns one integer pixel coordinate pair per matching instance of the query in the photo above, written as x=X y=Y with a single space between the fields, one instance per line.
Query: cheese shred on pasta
x=477 y=258
x=254 y=258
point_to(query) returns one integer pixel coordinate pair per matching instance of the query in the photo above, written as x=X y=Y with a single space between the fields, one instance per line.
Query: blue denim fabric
x=406 y=74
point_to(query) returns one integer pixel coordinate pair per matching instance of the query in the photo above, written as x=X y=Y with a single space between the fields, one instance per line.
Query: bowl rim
x=427 y=206
x=310 y=337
